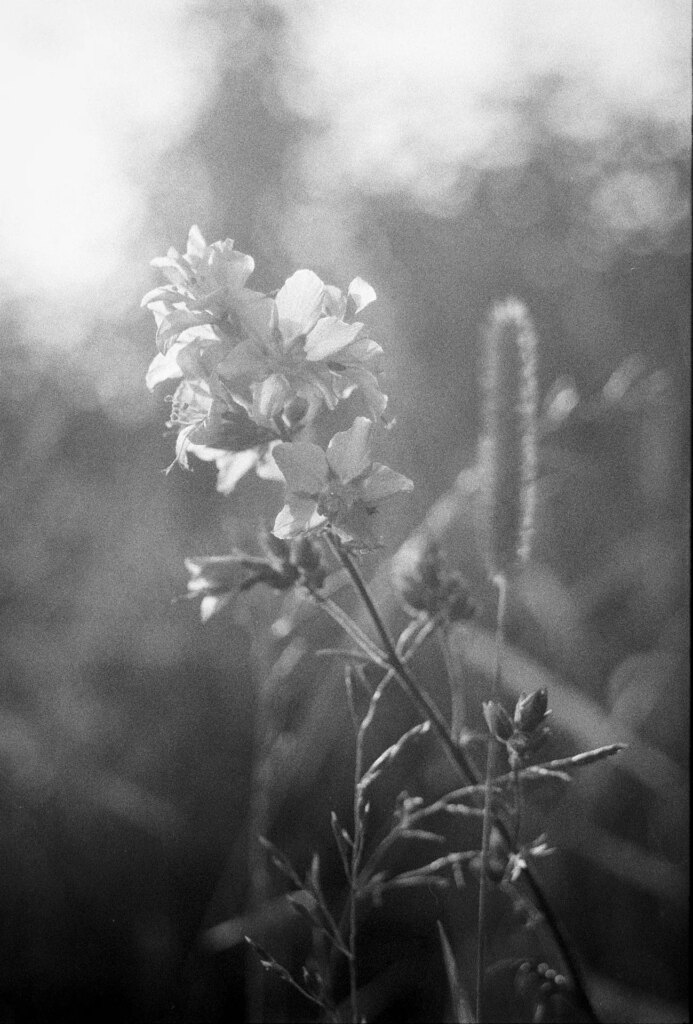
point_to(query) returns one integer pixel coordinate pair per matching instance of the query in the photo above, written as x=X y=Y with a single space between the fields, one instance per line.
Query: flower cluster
x=254 y=369
x=525 y=732
x=252 y=372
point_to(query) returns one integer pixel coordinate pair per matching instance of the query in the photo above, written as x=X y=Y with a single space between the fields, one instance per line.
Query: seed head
x=508 y=457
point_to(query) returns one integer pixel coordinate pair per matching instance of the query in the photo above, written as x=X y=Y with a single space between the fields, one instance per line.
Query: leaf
x=461 y=1009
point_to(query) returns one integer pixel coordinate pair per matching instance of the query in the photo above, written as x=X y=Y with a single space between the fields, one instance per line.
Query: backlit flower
x=206 y=289
x=302 y=348
x=221 y=431
x=341 y=487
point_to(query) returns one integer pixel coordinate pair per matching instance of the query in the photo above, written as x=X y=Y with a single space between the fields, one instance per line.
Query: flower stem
x=501 y=585
x=411 y=687
x=463 y=766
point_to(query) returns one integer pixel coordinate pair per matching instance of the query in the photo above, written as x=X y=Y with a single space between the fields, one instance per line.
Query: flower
x=222 y=432
x=217 y=578
x=341 y=487
x=266 y=352
x=302 y=348
x=253 y=370
x=206 y=295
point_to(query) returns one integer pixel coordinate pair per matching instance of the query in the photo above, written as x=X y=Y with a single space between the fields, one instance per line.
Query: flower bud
x=531 y=710
x=498 y=720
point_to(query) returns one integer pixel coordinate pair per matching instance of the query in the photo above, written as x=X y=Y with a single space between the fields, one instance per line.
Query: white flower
x=340 y=487
x=302 y=349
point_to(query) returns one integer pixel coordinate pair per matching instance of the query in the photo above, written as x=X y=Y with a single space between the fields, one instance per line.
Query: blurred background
x=451 y=153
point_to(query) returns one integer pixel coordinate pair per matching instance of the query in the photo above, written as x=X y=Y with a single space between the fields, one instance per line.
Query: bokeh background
x=451 y=153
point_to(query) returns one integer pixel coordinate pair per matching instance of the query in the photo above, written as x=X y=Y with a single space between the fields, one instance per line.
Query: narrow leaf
x=461 y=1009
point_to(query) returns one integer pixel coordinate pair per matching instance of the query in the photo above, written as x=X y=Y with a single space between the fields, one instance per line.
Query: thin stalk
x=408 y=683
x=413 y=637
x=491 y=759
x=354 y=631
x=458 y=698
x=462 y=764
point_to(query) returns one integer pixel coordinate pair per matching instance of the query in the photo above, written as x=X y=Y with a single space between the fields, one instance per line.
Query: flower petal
x=166 y=293
x=164 y=367
x=303 y=466
x=267 y=468
x=232 y=467
x=211 y=604
x=330 y=336
x=367 y=382
x=176 y=272
x=270 y=396
x=196 y=243
x=257 y=313
x=362 y=350
x=215 y=572
x=243 y=362
x=298 y=516
x=361 y=293
x=334 y=301
x=178 y=321
x=299 y=304
x=349 y=452
x=237 y=269
x=383 y=482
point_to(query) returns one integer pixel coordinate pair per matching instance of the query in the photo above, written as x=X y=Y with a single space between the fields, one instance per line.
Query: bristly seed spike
x=508 y=451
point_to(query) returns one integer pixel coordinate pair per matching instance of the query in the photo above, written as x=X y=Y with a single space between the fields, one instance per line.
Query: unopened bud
x=531 y=710
x=498 y=720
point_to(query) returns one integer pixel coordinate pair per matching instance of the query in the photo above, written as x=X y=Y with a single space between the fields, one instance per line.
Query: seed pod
x=531 y=710
x=508 y=455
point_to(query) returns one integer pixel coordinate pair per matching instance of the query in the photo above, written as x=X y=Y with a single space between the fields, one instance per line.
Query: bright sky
x=94 y=91
x=84 y=87
x=410 y=90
